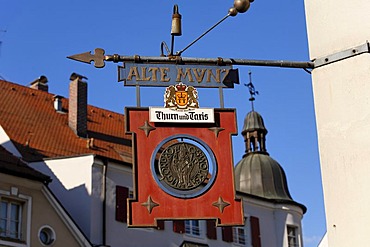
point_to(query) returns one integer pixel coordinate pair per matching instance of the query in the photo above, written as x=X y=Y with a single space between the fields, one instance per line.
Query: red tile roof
x=39 y=131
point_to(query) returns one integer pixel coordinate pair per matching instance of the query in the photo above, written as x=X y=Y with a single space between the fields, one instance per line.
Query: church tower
x=263 y=185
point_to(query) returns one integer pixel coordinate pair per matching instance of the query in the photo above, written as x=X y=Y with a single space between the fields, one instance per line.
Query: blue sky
x=41 y=34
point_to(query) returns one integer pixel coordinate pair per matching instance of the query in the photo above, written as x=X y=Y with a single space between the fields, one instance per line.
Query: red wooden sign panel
x=154 y=200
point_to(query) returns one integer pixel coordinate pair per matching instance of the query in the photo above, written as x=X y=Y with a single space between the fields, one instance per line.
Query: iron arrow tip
x=87 y=57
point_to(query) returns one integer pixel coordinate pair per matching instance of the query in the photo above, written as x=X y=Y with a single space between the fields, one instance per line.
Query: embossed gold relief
x=183 y=166
x=150 y=204
x=220 y=204
x=147 y=128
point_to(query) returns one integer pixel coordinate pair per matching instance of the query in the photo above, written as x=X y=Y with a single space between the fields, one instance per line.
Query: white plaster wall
x=97 y=200
x=335 y=25
x=342 y=104
x=324 y=241
x=274 y=219
x=72 y=183
x=122 y=175
x=265 y=212
x=287 y=215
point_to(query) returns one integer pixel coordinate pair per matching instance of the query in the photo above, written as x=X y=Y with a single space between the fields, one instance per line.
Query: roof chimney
x=77 y=114
x=40 y=84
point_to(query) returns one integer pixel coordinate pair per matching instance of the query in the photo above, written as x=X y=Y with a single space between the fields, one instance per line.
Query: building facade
x=85 y=150
x=30 y=215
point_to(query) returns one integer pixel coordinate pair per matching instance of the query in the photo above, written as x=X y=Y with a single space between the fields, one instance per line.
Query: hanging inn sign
x=183 y=161
x=182 y=153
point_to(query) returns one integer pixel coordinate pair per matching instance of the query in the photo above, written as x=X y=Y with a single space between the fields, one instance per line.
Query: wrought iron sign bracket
x=99 y=59
x=224 y=65
x=99 y=62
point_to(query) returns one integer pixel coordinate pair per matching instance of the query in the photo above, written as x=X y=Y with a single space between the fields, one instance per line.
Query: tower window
x=292 y=236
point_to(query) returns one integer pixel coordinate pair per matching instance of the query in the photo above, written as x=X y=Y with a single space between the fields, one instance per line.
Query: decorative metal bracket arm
x=338 y=56
x=99 y=59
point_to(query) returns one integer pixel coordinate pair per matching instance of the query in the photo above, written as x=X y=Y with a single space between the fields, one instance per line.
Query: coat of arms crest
x=181 y=97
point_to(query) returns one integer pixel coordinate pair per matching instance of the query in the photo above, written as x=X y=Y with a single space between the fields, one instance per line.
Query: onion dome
x=253 y=121
x=260 y=175
x=257 y=173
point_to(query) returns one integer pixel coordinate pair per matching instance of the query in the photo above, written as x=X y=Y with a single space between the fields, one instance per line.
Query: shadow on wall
x=76 y=201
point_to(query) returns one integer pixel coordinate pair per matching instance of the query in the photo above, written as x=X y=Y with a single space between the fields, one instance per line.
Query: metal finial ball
x=241 y=5
x=233 y=11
